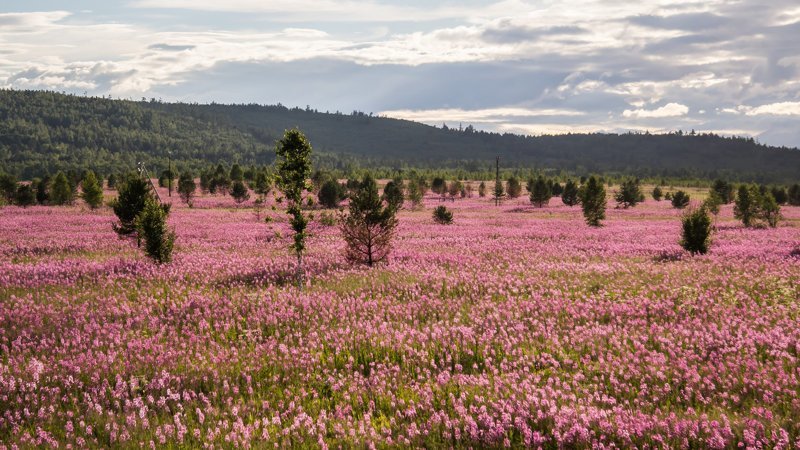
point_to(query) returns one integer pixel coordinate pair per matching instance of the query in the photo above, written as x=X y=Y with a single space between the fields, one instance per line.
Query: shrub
x=151 y=225
x=793 y=195
x=713 y=202
x=92 y=191
x=25 y=196
x=8 y=187
x=482 y=189
x=42 y=192
x=593 y=201
x=442 y=215
x=696 y=231
x=630 y=193
x=680 y=200
x=780 y=195
x=327 y=219
x=439 y=186
x=756 y=209
x=724 y=190
x=570 y=195
x=657 y=193
x=369 y=226
x=331 y=193
x=239 y=192
x=416 y=191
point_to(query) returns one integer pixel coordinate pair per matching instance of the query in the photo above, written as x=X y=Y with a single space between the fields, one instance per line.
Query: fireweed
x=514 y=326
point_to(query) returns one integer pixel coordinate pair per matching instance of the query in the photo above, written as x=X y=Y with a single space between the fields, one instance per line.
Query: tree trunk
x=299 y=271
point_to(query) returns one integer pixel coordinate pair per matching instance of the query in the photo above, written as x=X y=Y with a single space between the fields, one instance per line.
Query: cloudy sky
x=525 y=66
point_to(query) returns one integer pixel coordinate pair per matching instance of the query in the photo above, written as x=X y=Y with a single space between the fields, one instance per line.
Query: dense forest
x=43 y=132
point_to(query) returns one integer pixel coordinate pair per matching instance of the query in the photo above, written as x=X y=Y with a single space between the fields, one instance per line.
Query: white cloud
x=668 y=110
x=489 y=115
x=777 y=109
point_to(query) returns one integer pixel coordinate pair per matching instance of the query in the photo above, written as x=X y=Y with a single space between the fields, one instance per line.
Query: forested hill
x=44 y=132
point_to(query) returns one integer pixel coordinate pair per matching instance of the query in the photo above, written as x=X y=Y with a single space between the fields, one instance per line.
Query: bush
x=42 y=192
x=25 y=196
x=630 y=193
x=151 y=224
x=696 y=231
x=593 y=201
x=482 y=189
x=92 y=191
x=680 y=200
x=442 y=215
x=724 y=190
x=331 y=193
x=239 y=191
x=657 y=193
x=793 y=195
x=756 y=209
x=369 y=226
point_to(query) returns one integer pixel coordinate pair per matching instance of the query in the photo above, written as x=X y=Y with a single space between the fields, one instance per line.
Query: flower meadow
x=512 y=327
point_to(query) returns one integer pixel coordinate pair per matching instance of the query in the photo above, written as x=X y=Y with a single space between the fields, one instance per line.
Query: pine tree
x=25 y=196
x=570 y=195
x=331 y=193
x=540 y=192
x=442 y=215
x=657 y=193
x=187 y=188
x=239 y=192
x=593 y=201
x=369 y=226
x=92 y=192
x=630 y=193
x=133 y=193
x=680 y=200
x=151 y=226
x=482 y=189
x=293 y=170
x=514 y=188
x=393 y=193
x=61 y=192
x=42 y=194
x=696 y=231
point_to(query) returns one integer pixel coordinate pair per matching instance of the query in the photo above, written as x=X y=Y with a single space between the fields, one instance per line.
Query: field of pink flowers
x=512 y=327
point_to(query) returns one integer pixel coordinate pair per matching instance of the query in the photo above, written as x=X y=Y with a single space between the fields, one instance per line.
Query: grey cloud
x=688 y=21
x=170 y=47
x=506 y=32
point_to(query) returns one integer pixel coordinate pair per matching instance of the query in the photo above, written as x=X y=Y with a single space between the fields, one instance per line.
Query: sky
x=522 y=66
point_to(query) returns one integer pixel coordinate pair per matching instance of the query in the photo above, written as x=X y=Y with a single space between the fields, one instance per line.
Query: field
x=513 y=326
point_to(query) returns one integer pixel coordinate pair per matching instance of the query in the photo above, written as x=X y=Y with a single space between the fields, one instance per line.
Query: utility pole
x=169 y=164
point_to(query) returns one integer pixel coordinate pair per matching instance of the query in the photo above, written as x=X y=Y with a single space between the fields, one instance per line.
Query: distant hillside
x=45 y=131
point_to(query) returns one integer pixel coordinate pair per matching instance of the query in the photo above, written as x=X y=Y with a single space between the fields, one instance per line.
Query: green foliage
x=166 y=178
x=756 y=208
x=455 y=188
x=262 y=183
x=482 y=189
x=61 y=192
x=629 y=194
x=657 y=194
x=8 y=187
x=151 y=226
x=112 y=181
x=331 y=193
x=793 y=195
x=44 y=131
x=439 y=186
x=327 y=219
x=133 y=194
x=92 y=192
x=42 y=192
x=293 y=170
x=368 y=227
x=779 y=194
x=187 y=187
x=724 y=190
x=239 y=192
x=713 y=202
x=393 y=193
x=680 y=200
x=416 y=190
x=540 y=192
x=570 y=194
x=696 y=231
x=499 y=192
x=25 y=196
x=236 y=173
x=593 y=201
x=442 y=215
x=514 y=187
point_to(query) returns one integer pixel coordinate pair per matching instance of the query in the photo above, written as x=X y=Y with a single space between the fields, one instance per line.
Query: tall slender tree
x=293 y=170
x=593 y=201
x=92 y=192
